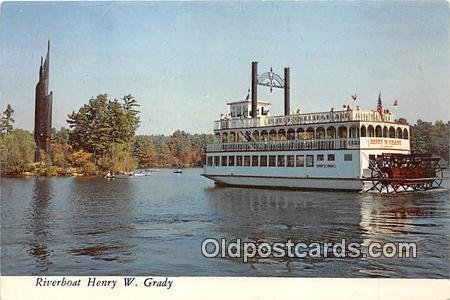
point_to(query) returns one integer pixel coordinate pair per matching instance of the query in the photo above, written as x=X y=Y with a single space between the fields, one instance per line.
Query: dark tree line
x=427 y=137
x=180 y=149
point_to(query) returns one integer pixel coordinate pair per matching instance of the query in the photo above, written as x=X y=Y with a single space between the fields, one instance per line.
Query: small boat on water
x=124 y=175
x=109 y=176
x=144 y=172
x=178 y=171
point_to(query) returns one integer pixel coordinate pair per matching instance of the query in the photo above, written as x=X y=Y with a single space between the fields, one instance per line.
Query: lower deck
x=312 y=169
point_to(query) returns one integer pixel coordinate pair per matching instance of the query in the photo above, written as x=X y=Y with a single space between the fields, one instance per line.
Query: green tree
x=177 y=150
x=144 y=151
x=118 y=159
x=61 y=135
x=101 y=124
x=7 y=121
x=430 y=138
x=16 y=152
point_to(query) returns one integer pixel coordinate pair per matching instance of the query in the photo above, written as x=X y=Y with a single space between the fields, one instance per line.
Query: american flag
x=395 y=102
x=354 y=96
x=379 y=105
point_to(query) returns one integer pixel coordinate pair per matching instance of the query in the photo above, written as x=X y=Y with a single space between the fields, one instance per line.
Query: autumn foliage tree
x=180 y=149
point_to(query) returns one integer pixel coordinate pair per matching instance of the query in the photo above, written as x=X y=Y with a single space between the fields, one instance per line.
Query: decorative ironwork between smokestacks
x=272 y=80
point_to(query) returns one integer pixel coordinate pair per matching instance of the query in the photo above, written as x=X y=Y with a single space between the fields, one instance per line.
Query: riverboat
x=331 y=150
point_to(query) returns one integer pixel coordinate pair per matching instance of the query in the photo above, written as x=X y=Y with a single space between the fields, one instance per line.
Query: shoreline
x=77 y=174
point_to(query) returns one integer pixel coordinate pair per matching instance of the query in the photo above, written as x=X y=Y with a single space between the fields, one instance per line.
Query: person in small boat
x=110 y=174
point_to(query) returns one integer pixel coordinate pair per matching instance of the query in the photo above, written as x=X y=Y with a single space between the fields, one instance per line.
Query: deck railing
x=323 y=144
x=303 y=119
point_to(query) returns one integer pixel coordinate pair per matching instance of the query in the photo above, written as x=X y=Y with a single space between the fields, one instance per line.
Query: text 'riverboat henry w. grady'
x=324 y=150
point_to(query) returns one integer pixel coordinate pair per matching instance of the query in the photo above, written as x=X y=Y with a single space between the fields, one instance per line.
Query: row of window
x=311 y=133
x=270 y=160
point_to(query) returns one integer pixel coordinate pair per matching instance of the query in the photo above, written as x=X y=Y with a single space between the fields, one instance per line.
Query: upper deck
x=304 y=119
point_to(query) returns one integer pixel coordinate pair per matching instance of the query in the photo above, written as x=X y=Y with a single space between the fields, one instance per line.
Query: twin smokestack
x=287 y=96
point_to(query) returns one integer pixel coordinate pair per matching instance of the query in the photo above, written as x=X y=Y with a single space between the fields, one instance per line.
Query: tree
x=61 y=154
x=176 y=150
x=61 y=135
x=102 y=123
x=83 y=160
x=430 y=138
x=16 y=152
x=118 y=159
x=7 y=120
x=144 y=151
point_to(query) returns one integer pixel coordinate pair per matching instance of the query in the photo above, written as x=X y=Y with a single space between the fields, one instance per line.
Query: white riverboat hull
x=347 y=184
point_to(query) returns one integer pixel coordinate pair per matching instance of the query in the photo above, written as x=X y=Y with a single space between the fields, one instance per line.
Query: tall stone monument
x=43 y=110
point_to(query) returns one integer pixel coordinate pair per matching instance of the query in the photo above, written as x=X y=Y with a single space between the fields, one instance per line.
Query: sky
x=183 y=61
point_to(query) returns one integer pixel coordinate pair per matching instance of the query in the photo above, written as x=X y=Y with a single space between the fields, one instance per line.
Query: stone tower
x=43 y=110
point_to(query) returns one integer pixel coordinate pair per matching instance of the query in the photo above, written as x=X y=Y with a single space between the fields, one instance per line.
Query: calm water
x=155 y=225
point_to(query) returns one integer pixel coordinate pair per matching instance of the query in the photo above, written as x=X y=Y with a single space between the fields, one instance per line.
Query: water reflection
x=40 y=223
x=276 y=216
x=269 y=214
x=384 y=217
x=408 y=217
x=155 y=225
x=102 y=219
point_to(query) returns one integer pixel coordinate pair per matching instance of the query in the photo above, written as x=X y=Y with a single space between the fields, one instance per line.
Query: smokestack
x=287 y=96
x=254 y=88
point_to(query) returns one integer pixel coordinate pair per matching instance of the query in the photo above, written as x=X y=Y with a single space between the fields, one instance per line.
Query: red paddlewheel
x=393 y=173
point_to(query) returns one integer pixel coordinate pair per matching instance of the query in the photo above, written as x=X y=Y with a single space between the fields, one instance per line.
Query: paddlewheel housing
x=393 y=173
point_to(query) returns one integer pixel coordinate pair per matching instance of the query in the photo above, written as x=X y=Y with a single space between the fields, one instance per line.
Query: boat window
x=224 y=138
x=290 y=160
x=280 y=161
x=320 y=133
x=231 y=161
x=254 y=161
x=216 y=161
x=300 y=161
x=399 y=133
x=239 y=161
x=320 y=157
x=272 y=160
x=363 y=131
x=342 y=132
x=331 y=132
x=354 y=132
x=385 y=132
x=224 y=161
x=348 y=157
x=392 y=132
x=263 y=161
x=330 y=157
x=210 y=161
x=310 y=160
x=246 y=161
x=371 y=131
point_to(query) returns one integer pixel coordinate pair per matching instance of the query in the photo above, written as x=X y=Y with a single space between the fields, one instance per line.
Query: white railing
x=322 y=144
x=302 y=119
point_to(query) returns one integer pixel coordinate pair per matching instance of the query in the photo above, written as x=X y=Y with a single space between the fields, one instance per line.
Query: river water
x=155 y=225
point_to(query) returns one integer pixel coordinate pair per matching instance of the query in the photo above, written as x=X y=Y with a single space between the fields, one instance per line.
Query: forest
x=101 y=137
